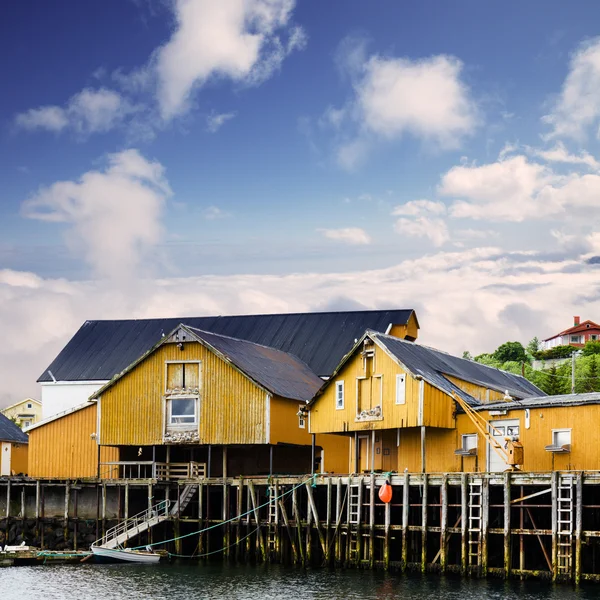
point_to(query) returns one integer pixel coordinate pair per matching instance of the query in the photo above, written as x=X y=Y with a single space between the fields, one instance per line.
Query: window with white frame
x=401 y=388
x=561 y=437
x=469 y=443
x=339 y=395
x=301 y=417
x=29 y=405
x=182 y=411
x=576 y=339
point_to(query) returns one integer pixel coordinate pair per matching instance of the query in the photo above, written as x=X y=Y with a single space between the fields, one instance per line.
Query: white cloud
x=89 y=111
x=239 y=40
x=348 y=235
x=214 y=121
x=434 y=230
x=425 y=98
x=481 y=289
x=114 y=215
x=560 y=154
x=418 y=207
x=214 y=212
x=577 y=108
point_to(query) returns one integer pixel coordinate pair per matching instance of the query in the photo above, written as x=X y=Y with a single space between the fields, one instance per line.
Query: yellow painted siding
x=481 y=393
x=409 y=331
x=438 y=408
x=232 y=408
x=18 y=458
x=582 y=420
x=64 y=447
x=285 y=430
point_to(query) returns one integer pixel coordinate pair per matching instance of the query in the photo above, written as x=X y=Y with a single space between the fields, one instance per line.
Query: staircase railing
x=158 y=510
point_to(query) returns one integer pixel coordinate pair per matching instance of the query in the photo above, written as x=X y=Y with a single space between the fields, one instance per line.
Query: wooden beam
x=261 y=541
x=313 y=508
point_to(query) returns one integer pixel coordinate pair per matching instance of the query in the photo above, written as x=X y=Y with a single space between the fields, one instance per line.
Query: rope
x=215 y=551
x=228 y=520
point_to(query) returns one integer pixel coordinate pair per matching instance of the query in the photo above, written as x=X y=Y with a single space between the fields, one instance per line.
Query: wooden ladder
x=475 y=522
x=273 y=517
x=354 y=510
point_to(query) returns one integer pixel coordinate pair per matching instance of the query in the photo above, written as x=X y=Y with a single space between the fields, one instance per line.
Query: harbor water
x=190 y=581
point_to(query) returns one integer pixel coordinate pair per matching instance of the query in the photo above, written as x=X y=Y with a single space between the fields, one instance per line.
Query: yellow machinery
x=511 y=453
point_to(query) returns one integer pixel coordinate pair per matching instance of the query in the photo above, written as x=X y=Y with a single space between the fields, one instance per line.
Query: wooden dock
x=542 y=525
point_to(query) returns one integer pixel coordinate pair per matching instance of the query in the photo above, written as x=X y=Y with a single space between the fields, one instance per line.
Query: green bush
x=556 y=352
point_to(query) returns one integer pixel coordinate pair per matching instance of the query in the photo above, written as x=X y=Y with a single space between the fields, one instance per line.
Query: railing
x=152 y=470
x=158 y=510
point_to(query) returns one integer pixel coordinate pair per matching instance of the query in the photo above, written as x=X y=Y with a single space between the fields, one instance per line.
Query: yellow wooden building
x=395 y=401
x=13 y=448
x=196 y=404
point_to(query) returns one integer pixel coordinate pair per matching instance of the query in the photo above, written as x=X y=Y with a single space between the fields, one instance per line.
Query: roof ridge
x=283 y=314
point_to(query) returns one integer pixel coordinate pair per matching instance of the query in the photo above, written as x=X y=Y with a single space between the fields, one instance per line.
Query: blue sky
x=268 y=155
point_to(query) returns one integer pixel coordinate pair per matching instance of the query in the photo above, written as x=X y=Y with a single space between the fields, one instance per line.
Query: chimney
x=576 y=321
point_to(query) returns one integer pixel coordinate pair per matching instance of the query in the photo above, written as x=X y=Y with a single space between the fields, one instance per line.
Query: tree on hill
x=533 y=346
x=554 y=384
x=466 y=354
x=510 y=351
x=591 y=348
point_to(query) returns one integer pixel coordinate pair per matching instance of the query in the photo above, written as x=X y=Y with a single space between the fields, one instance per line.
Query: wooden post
x=372 y=515
x=338 y=518
x=405 y=522
x=238 y=524
x=126 y=501
x=150 y=503
x=386 y=546
x=66 y=515
x=312 y=453
x=309 y=518
x=578 y=526
x=295 y=556
x=521 y=540
x=7 y=505
x=248 y=521
x=261 y=541
x=103 y=509
x=201 y=518
x=296 y=516
x=464 y=522
x=424 y=525
x=554 y=487
x=76 y=520
x=37 y=510
x=270 y=460
x=443 y=522
x=23 y=503
x=208 y=469
x=328 y=522
x=313 y=509
x=176 y=522
x=225 y=517
x=507 y=558
x=485 y=517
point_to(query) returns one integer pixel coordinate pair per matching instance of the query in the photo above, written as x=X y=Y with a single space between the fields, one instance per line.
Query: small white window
x=561 y=437
x=182 y=411
x=301 y=417
x=339 y=395
x=469 y=443
x=401 y=388
x=26 y=423
x=576 y=339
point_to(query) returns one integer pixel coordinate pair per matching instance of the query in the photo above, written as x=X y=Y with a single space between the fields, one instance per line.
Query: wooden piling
x=464 y=486
x=372 y=520
x=443 y=523
x=507 y=557
x=485 y=518
x=554 y=487
x=405 y=497
x=578 y=525
x=424 y=523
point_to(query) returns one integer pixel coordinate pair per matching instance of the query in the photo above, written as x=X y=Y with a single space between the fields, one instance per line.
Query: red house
x=577 y=335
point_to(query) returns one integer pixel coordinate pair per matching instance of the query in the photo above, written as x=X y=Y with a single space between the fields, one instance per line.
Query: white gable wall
x=62 y=395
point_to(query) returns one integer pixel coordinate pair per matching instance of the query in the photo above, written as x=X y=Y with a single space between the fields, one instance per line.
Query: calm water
x=171 y=582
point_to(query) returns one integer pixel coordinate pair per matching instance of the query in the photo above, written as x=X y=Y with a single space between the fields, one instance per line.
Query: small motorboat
x=125 y=555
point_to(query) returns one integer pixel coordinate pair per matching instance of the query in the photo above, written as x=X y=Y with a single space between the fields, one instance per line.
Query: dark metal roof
x=545 y=402
x=101 y=349
x=277 y=371
x=432 y=365
x=10 y=432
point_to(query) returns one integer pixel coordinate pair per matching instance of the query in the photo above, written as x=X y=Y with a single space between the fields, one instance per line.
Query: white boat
x=126 y=555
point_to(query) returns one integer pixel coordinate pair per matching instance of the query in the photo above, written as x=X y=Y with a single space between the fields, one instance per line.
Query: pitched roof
x=10 y=432
x=101 y=349
x=585 y=326
x=277 y=372
x=433 y=365
x=20 y=402
x=545 y=402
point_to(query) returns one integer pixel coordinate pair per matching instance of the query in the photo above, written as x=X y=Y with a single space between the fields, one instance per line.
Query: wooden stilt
x=338 y=520
x=424 y=524
x=328 y=522
x=261 y=541
x=554 y=486
x=443 y=523
x=507 y=558
x=464 y=486
x=485 y=517
x=239 y=505
x=297 y=519
x=313 y=509
x=405 y=490
x=295 y=555
x=372 y=519
x=578 y=526
x=386 y=541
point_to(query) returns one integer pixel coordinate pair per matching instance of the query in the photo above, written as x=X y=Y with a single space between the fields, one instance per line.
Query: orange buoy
x=385 y=492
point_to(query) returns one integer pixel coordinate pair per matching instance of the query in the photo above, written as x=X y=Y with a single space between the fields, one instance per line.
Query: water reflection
x=191 y=581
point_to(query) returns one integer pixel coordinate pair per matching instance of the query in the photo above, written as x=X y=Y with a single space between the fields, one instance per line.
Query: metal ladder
x=475 y=518
x=273 y=519
x=354 y=508
x=564 y=524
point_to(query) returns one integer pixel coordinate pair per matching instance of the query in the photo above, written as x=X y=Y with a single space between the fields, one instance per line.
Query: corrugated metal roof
x=545 y=402
x=277 y=371
x=10 y=432
x=433 y=364
x=101 y=349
